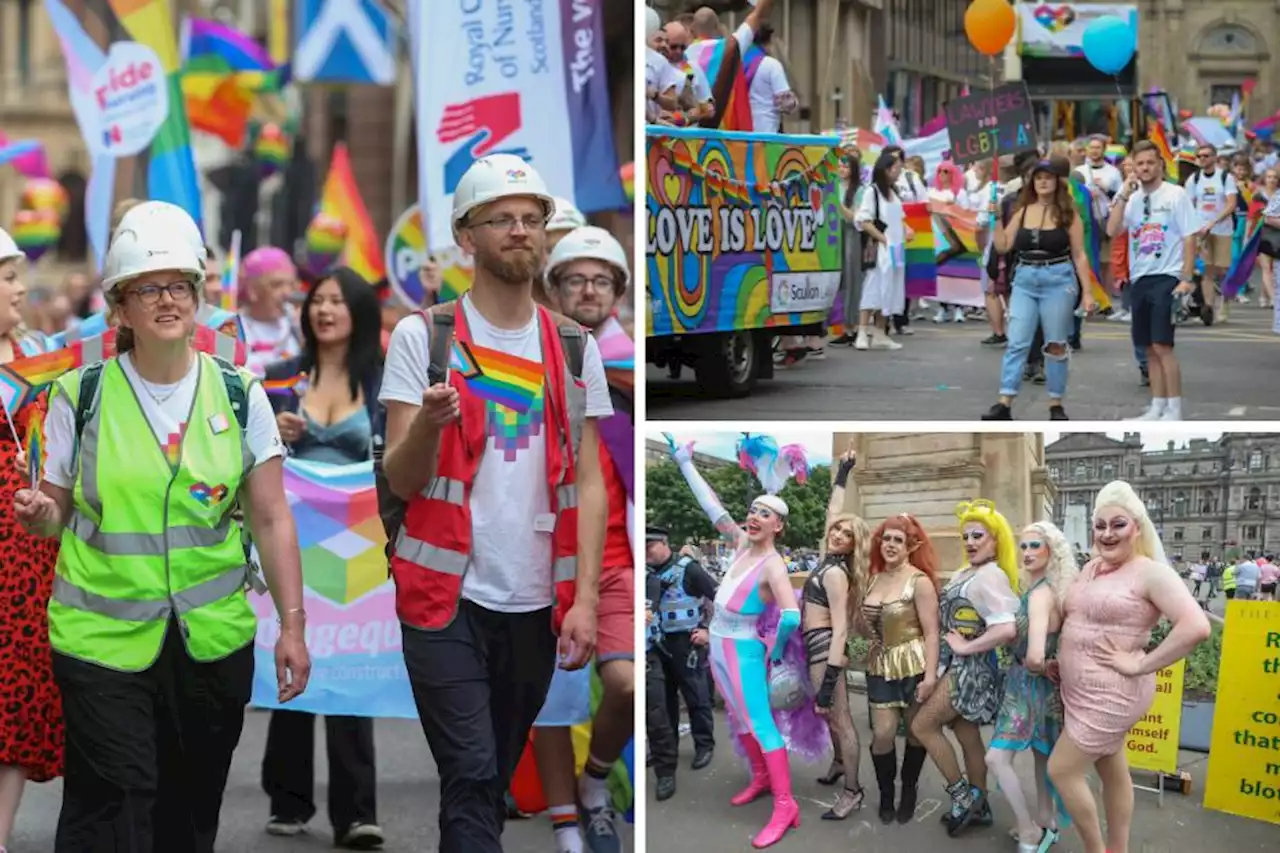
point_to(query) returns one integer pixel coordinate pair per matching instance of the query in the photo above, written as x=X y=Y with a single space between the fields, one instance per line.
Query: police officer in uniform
x=684 y=586
x=660 y=737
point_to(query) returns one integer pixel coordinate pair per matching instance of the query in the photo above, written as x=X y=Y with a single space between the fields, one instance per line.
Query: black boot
x=886 y=774
x=912 y=761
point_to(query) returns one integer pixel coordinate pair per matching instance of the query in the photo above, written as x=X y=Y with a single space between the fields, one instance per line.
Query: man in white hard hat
x=492 y=443
x=565 y=218
x=587 y=273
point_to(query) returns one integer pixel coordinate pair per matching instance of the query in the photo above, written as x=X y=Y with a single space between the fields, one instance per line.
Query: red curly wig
x=923 y=557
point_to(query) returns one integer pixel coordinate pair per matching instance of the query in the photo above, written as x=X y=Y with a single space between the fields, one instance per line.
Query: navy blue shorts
x=1152 y=302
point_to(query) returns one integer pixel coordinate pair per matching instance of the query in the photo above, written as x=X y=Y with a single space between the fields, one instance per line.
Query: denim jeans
x=1042 y=296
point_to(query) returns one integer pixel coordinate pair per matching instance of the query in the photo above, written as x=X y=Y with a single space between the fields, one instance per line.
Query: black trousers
x=662 y=742
x=288 y=768
x=691 y=683
x=148 y=752
x=479 y=685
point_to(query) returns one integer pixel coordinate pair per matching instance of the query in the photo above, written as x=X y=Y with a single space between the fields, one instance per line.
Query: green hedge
x=1200 y=680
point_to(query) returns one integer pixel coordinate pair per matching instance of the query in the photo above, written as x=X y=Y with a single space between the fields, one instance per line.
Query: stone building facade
x=1206 y=498
x=928 y=474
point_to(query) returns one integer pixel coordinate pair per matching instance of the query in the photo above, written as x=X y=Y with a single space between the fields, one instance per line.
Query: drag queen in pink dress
x=1107 y=680
x=739 y=657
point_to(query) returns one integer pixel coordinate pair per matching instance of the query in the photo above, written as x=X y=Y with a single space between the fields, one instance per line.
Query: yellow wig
x=984 y=512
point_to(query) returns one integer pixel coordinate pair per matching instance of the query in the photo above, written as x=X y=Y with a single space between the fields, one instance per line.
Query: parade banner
x=513 y=78
x=1057 y=29
x=1244 y=751
x=1152 y=743
x=406 y=252
x=744 y=230
x=988 y=123
x=353 y=634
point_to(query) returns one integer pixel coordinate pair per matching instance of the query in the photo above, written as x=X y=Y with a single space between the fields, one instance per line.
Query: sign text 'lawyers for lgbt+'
x=990 y=123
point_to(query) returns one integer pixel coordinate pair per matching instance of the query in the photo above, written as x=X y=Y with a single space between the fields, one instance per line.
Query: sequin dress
x=1030 y=716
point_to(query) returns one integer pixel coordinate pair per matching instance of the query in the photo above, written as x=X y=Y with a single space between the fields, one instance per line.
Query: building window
x=1251 y=532
x=1255 y=460
x=1082 y=471
x=1180 y=504
x=1177 y=534
x=1206 y=533
x=1054 y=473
x=1255 y=499
x=24 y=41
x=1108 y=470
x=1131 y=471
x=1223 y=94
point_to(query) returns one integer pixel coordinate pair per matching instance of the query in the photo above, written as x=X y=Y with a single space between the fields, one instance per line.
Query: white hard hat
x=150 y=243
x=588 y=242
x=567 y=216
x=652 y=23
x=9 y=249
x=151 y=214
x=496 y=177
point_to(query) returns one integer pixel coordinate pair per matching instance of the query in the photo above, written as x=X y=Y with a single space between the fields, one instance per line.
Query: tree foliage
x=670 y=502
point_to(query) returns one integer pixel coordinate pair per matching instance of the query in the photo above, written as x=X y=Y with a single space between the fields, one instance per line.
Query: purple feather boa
x=804 y=732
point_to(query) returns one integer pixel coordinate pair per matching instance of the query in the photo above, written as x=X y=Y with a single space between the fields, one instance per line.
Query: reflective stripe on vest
x=167 y=547
x=678 y=611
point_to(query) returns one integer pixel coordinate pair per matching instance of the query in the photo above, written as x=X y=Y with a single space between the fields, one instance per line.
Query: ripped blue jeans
x=1042 y=296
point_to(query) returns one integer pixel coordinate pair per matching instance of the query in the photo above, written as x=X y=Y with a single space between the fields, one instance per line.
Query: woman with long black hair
x=333 y=419
x=851 y=270
x=881 y=218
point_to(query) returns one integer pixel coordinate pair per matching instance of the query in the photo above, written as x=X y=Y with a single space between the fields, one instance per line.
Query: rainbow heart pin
x=208 y=496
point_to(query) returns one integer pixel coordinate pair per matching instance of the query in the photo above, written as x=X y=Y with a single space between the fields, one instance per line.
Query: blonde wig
x=984 y=512
x=1062 y=570
x=856 y=563
x=1121 y=495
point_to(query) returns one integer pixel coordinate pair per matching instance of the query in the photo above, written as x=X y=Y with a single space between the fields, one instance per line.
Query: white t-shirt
x=165 y=418
x=266 y=341
x=510 y=567
x=1209 y=195
x=770 y=82
x=1156 y=242
x=1106 y=177
x=701 y=87
x=911 y=187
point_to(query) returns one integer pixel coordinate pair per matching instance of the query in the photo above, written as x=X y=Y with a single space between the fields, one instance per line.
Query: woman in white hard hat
x=30 y=714
x=151 y=630
x=587 y=273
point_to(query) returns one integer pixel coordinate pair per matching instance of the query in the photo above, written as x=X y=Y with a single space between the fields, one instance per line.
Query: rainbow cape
x=725 y=68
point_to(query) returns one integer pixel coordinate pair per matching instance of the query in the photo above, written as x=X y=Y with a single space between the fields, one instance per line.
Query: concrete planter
x=1197 y=725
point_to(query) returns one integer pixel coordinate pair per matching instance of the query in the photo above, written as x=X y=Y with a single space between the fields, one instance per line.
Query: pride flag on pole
x=341 y=199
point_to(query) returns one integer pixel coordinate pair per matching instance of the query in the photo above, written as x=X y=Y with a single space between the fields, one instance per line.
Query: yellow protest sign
x=1244 y=752
x=1152 y=743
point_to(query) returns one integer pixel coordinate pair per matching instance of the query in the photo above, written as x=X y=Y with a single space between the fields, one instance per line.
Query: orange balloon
x=989 y=24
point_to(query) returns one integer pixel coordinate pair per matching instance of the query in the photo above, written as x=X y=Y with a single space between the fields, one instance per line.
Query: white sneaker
x=1121 y=317
x=941 y=316
x=860 y=342
x=884 y=342
x=1170 y=415
x=959 y=315
x=1151 y=414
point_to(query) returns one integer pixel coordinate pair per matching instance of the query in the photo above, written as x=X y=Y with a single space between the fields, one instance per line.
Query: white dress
x=884 y=288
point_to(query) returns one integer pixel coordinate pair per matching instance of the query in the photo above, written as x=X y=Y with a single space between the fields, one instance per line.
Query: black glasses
x=598 y=283
x=508 y=224
x=179 y=291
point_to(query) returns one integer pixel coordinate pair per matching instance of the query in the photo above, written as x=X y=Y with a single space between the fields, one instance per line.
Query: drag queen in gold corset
x=901 y=613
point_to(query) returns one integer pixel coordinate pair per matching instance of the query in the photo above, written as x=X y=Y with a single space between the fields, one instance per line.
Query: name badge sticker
x=218 y=424
x=544 y=522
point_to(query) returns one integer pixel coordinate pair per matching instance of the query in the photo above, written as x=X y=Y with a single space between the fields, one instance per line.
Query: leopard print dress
x=31 y=735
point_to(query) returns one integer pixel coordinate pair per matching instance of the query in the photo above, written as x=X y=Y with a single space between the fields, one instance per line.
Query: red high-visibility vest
x=433 y=548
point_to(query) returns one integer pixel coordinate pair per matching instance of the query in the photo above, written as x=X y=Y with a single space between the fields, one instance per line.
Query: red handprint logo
x=497 y=114
x=482 y=124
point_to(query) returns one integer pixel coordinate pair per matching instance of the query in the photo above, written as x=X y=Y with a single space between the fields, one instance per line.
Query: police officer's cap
x=655 y=534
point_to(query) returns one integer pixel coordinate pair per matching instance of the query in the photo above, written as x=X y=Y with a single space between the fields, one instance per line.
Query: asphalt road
x=408 y=795
x=699 y=817
x=944 y=373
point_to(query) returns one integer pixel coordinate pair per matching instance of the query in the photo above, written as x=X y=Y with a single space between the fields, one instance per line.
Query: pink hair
x=948 y=177
x=266 y=261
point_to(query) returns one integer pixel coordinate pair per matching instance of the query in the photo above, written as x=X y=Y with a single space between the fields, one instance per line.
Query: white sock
x=593 y=792
x=1159 y=404
x=1173 y=407
x=564 y=821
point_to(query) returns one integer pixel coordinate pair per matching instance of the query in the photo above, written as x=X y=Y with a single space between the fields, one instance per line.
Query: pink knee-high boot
x=786 y=811
x=759 y=783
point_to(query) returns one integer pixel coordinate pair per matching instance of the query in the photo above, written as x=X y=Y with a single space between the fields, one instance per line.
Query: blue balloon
x=1109 y=43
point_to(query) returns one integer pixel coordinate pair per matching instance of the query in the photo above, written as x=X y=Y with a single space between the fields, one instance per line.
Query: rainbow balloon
x=325 y=239
x=46 y=194
x=271 y=149
x=36 y=232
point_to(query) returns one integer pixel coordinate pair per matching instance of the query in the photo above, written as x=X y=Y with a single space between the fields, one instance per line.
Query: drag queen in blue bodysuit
x=756 y=578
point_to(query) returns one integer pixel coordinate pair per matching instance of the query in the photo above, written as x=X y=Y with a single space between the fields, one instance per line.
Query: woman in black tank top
x=1046 y=239
x=833 y=612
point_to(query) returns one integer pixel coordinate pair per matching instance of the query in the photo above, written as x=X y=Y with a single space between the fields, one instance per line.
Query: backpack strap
x=442 y=328
x=574 y=341
x=236 y=391
x=90 y=379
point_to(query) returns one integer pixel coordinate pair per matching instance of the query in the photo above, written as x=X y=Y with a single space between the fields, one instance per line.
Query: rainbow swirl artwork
x=743 y=230
x=406 y=252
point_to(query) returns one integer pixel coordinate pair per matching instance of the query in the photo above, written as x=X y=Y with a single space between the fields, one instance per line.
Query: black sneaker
x=1206 y=314
x=1145 y=381
x=845 y=340
x=702 y=758
x=998 y=412
x=1039 y=375
x=665 y=789
x=995 y=341
x=360 y=836
x=1057 y=413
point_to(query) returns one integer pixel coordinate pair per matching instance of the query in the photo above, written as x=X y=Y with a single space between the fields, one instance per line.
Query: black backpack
x=390 y=506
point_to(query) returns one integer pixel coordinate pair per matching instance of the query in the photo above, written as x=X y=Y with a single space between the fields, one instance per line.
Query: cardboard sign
x=988 y=123
x=1152 y=743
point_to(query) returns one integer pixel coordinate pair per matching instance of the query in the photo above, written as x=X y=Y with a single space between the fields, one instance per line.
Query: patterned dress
x=974 y=681
x=1031 y=715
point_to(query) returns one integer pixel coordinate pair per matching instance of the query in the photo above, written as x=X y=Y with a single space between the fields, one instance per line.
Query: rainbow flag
x=35 y=448
x=223 y=69
x=1243 y=262
x=1115 y=152
x=955 y=235
x=618 y=352
x=1082 y=195
x=230 y=300
x=628 y=173
x=341 y=200
x=724 y=66
x=498 y=377
x=922 y=266
x=1161 y=140
x=292 y=386
x=171 y=169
